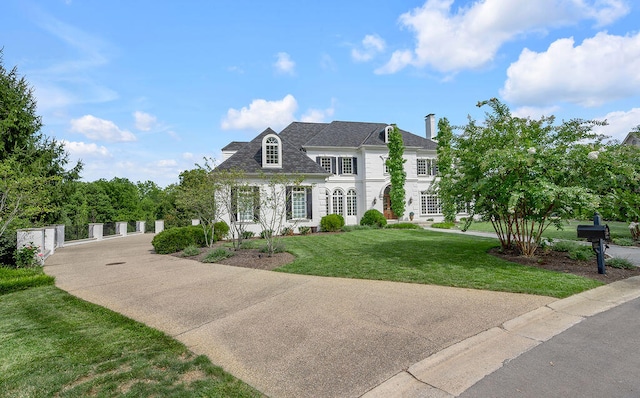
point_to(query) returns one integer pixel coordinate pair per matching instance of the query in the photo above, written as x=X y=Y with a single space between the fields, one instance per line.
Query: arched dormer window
x=387 y=130
x=271 y=151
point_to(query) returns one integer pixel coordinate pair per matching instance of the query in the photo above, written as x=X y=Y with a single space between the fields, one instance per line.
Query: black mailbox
x=594 y=232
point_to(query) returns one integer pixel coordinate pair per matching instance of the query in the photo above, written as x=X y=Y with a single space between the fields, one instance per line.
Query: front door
x=386 y=205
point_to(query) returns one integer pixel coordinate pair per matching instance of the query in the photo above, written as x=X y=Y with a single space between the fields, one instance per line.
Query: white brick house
x=343 y=164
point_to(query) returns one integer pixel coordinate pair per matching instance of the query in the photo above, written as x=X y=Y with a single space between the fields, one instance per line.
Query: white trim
x=277 y=165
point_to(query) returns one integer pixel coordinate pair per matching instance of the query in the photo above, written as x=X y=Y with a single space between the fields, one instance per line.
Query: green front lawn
x=427 y=257
x=568 y=231
x=53 y=344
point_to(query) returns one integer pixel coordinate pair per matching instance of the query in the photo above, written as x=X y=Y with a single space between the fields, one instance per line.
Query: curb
x=450 y=372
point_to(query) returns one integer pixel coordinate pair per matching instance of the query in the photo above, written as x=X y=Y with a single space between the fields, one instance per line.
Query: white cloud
x=319 y=115
x=82 y=149
x=371 y=46
x=534 y=112
x=262 y=114
x=164 y=163
x=284 y=64
x=100 y=129
x=144 y=121
x=187 y=156
x=470 y=37
x=601 y=69
x=620 y=123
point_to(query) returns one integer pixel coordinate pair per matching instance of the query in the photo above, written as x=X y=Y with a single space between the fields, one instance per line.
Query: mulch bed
x=560 y=261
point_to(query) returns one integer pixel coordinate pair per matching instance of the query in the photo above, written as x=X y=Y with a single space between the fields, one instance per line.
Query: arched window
x=271 y=151
x=352 y=208
x=338 y=202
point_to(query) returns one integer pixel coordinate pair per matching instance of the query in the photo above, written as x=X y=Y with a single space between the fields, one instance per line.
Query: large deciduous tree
x=523 y=175
x=395 y=164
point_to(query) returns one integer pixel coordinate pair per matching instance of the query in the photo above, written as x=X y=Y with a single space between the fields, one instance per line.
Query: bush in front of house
x=373 y=218
x=332 y=222
x=220 y=231
x=176 y=239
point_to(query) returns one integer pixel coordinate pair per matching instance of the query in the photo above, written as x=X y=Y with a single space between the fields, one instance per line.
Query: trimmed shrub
x=220 y=231
x=175 y=239
x=373 y=218
x=404 y=225
x=287 y=231
x=332 y=222
x=216 y=255
x=304 y=230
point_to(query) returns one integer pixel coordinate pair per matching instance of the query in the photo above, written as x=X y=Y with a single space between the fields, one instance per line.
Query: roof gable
x=248 y=159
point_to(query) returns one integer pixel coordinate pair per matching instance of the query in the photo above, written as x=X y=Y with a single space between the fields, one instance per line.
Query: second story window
x=427 y=167
x=271 y=151
x=325 y=163
x=347 y=165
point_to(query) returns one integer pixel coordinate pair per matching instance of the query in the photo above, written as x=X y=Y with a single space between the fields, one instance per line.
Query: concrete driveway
x=286 y=335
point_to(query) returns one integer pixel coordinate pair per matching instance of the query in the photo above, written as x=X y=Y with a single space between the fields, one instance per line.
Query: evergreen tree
x=395 y=164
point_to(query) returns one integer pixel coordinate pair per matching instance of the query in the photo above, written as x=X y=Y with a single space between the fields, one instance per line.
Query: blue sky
x=146 y=89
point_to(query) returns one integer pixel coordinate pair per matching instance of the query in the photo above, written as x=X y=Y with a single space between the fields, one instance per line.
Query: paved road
x=599 y=357
x=292 y=335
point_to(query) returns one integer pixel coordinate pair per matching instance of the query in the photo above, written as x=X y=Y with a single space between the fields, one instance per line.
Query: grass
x=428 y=257
x=53 y=344
x=12 y=279
x=568 y=232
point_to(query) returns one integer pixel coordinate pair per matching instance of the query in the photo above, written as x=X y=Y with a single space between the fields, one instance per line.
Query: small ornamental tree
x=395 y=164
x=444 y=183
x=522 y=175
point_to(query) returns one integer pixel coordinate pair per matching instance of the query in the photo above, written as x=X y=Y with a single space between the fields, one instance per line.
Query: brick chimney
x=430 y=125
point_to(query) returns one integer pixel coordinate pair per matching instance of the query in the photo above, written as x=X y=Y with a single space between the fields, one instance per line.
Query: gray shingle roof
x=248 y=158
x=347 y=134
x=234 y=145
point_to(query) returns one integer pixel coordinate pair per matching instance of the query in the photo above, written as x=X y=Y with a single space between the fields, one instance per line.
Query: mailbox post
x=598 y=235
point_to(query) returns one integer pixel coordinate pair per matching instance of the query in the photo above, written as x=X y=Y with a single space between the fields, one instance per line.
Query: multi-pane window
x=338 y=202
x=386 y=167
x=347 y=165
x=299 y=202
x=272 y=151
x=352 y=209
x=245 y=204
x=328 y=201
x=427 y=167
x=325 y=163
x=430 y=204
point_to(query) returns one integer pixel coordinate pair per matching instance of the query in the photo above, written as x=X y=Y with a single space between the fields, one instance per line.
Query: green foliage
x=617 y=262
x=445 y=169
x=286 y=231
x=220 y=230
x=190 y=251
x=28 y=256
x=521 y=174
x=266 y=233
x=404 y=225
x=304 y=230
x=216 y=255
x=332 y=222
x=395 y=163
x=443 y=225
x=278 y=248
x=248 y=234
x=12 y=280
x=575 y=251
x=175 y=239
x=373 y=218
x=623 y=241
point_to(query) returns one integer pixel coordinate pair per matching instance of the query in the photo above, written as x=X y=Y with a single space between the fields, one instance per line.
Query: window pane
x=347 y=165
x=338 y=202
x=325 y=163
x=299 y=203
x=245 y=204
x=271 y=151
x=352 y=209
x=430 y=204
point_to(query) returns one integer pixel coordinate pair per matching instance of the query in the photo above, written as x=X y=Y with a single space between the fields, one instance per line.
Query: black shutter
x=234 y=205
x=256 y=204
x=333 y=165
x=288 y=199
x=339 y=165
x=318 y=160
x=355 y=165
x=309 y=203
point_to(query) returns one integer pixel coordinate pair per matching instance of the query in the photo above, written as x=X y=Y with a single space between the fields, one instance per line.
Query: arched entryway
x=386 y=205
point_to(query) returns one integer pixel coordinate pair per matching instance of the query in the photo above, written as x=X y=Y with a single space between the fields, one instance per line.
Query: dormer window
x=271 y=151
x=387 y=130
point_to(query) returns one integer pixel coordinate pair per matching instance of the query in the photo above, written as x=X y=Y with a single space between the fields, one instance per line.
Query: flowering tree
x=520 y=174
